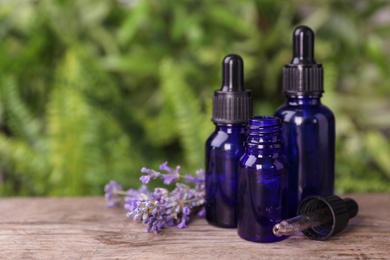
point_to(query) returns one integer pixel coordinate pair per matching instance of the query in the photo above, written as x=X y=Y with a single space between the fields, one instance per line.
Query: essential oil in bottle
x=308 y=126
x=263 y=181
x=232 y=108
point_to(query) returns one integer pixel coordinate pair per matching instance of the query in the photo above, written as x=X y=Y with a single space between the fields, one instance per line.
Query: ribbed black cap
x=232 y=104
x=341 y=209
x=303 y=75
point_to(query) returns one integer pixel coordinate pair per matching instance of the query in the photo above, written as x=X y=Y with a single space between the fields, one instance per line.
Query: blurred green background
x=93 y=90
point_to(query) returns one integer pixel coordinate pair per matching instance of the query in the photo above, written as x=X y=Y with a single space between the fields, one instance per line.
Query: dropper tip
x=233 y=73
x=277 y=230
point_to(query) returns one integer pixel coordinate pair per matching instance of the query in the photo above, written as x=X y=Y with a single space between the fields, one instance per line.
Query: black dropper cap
x=303 y=76
x=232 y=104
x=341 y=210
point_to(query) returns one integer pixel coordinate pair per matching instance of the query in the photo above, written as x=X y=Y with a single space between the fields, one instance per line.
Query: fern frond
x=25 y=161
x=87 y=141
x=189 y=119
x=68 y=124
x=164 y=122
x=20 y=121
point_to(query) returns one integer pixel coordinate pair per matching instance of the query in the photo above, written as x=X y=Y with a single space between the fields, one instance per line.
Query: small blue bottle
x=308 y=126
x=232 y=108
x=263 y=181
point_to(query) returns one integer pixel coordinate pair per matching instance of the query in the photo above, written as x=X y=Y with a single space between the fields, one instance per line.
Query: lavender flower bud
x=145 y=179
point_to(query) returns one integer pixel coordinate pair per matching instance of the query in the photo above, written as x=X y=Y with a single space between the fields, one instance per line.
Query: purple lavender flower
x=184 y=218
x=145 y=179
x=201 y=174
x=151 y=174
x=161 y=207
x=151 y=212
x=198 y=180
x=202 y=212
x=169 y=221
x=172 y=176
x=189 y=178
x=111 y=195
x=168 y=179
x=130 y=204
x=134 y=196
x=143 y=189
x=164 y=167
x=151 y=225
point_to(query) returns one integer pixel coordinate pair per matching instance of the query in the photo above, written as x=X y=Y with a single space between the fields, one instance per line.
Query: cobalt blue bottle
x=309 y=126
x=232 y=108
x=263 y=181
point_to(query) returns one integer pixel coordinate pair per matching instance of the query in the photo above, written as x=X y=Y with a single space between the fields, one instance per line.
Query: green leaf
x=379 y=148
x=137 y=15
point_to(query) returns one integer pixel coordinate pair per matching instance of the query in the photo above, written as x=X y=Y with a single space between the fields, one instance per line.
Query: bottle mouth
x=264 y=132
x=264 y=121
x=264 y=124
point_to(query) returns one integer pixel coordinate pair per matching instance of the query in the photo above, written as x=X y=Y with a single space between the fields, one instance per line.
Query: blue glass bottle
x=308 y=126
x=263 y=181
x=232 y=108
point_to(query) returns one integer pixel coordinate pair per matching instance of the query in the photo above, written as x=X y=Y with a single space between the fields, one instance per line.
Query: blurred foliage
x=94 y=90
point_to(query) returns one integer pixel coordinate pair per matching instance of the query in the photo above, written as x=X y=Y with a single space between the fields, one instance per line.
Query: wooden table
x=82 y=228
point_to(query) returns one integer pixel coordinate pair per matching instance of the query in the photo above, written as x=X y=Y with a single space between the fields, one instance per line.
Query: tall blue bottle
x=309 y=126
x=263 y=181
x=232 y=108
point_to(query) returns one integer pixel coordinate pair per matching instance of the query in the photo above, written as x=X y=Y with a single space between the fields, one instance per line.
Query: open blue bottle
x=232 y=108
x=308 y=126
x=263 y=181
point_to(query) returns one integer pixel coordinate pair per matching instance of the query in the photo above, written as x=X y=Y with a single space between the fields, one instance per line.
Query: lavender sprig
x=171 y=176
x=161 y=207
x=112 y=190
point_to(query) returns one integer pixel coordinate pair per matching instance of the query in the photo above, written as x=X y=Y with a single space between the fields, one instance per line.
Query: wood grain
x=82 y=228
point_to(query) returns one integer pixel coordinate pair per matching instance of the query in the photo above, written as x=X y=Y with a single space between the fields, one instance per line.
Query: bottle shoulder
x=290 y=113
x=261 y=161
x=226 y=141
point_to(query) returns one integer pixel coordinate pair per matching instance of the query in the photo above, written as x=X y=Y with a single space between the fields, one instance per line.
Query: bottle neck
x=264 y=136
x=231 y=128
x=304 y=100
x=265 y=144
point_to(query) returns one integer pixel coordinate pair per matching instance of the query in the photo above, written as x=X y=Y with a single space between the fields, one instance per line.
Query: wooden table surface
x=82 y=228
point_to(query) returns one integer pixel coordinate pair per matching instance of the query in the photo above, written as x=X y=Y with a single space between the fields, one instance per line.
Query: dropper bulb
x=232 y=73
x=303 y=46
